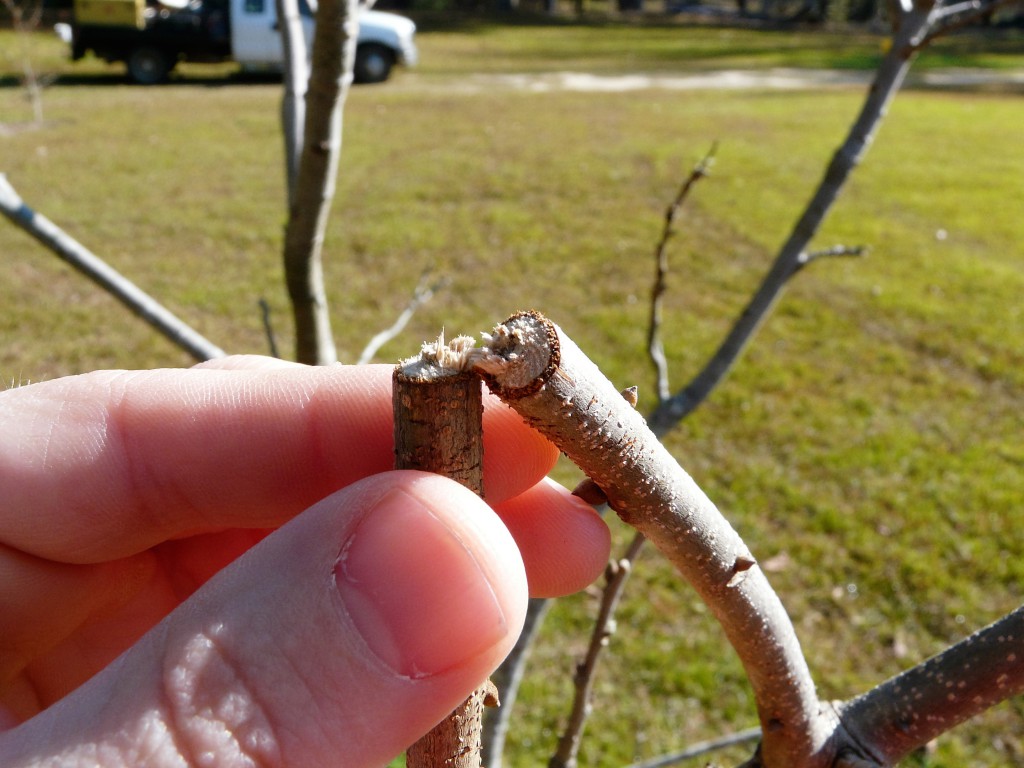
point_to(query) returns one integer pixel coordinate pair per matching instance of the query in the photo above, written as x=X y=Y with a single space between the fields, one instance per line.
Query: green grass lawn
x=869 y=444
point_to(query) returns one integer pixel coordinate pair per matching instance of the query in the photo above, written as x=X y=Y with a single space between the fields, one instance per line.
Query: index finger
x=107 y=464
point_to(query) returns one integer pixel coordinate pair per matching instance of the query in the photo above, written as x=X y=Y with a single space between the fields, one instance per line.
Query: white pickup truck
x=152 y=37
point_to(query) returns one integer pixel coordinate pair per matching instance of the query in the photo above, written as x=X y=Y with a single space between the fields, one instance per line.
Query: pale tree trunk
x=296 y=79
x=330 y=78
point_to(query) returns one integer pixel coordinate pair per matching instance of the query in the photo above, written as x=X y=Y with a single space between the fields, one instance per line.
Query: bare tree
x=25 y=18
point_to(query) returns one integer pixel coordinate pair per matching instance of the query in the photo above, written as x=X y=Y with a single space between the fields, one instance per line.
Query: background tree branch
x=109 y=279
x=424 y=292
x=655 y=346
x=896 y=717
x=914 y=24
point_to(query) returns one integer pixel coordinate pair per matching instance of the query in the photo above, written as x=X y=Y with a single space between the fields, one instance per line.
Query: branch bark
x=890 y=721
x=438 y=413
x=330 y=78
x=531 y=365
x=109 y=279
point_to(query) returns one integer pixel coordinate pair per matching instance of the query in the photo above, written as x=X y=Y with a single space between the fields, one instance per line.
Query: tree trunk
x=336 y=30
x=296 y=78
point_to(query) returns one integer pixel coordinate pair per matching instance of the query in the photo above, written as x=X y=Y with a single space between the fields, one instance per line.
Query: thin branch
x=655 y=347
x=268 y=328
x=109 y=279
x=507 y=678
x=909 y=710
x=423 y=293
x=836 y=251
x=616 y=576
x=531 y=365
x=950 y=18
x=701 y=748
x=971 y=7
x=913 y=27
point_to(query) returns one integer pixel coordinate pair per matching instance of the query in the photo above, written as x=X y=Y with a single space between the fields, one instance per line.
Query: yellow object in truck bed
x=119 y=13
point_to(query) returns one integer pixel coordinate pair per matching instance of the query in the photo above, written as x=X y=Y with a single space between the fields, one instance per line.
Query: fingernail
x=414 y=591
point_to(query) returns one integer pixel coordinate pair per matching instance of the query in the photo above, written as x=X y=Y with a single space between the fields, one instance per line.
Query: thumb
x=338 y=640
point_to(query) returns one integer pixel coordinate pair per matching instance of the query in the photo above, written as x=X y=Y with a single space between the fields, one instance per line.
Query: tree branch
x=268 y=328
x=655 y=347
x=909 y=710
x=423 y=293
x=835 y=251
x=296 y=78
x=583 y=681
x=949 y=18
x=530 y=364
x=913 y=26
x=109 y=279
x=507 y=679
x=700 y=748
x=438 y=412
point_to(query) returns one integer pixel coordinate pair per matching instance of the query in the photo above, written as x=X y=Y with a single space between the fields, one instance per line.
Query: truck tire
x=373 y=63
x=148 y=65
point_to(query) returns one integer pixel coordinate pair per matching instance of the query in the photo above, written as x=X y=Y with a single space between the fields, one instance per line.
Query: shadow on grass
x=120 y=79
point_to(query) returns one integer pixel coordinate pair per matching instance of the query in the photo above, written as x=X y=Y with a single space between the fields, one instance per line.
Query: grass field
x=869 y=444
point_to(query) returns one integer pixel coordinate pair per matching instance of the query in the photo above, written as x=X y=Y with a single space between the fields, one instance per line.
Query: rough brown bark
x=455 y=741
x=439 y=428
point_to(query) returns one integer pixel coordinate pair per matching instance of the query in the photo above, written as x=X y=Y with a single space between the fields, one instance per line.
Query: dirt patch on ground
x=771 y=79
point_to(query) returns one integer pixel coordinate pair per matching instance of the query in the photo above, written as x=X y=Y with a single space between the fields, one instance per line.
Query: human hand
x=337 y=639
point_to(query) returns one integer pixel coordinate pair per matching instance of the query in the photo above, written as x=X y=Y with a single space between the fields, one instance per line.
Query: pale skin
x=215 y=566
